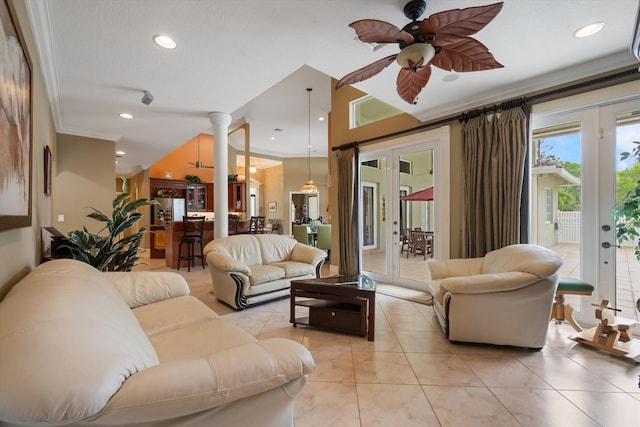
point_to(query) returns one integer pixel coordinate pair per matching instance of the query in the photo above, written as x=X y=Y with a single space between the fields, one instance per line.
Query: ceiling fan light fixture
x=414 y=53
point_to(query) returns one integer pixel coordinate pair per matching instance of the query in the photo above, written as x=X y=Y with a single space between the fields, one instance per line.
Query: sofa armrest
x=485 y=283
x=146 y=287
x=226 y=263
x=182 y=387
x=307 y=254
x=442 y=268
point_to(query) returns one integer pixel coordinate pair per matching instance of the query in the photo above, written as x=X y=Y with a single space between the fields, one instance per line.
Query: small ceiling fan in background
x=198 y=164
x=442 y=40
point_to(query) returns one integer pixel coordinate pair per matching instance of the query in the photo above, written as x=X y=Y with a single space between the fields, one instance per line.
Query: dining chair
x=301 y=234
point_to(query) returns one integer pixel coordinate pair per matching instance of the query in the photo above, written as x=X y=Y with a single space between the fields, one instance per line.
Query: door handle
x=607 y=245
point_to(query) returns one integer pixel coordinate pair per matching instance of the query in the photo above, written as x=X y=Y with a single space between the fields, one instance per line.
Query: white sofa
x=248 y=269
x=81 y=347
x=503 y=298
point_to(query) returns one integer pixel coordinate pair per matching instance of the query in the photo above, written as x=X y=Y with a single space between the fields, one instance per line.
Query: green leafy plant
x=627 y=211
x=193 y=179
x=114 y=251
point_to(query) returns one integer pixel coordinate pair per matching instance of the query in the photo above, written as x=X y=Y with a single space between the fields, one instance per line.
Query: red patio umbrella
x=422 y=195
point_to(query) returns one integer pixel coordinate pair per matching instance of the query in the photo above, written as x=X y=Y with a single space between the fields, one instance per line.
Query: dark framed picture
x=273 y=206
x=47 y=170
x=15 y=123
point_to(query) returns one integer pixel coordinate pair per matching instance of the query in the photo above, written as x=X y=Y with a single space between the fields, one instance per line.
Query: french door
x=577 y=179
x=388 y=173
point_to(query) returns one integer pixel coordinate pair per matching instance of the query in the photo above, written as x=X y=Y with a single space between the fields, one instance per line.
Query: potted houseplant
x=116 y=250
x=627 y=212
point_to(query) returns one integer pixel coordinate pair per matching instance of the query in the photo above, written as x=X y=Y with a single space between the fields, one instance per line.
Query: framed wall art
x=48 y=158
x=15 y=123
x=273 y=206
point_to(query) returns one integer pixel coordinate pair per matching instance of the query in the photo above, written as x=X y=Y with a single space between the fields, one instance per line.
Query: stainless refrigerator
x=170 y=210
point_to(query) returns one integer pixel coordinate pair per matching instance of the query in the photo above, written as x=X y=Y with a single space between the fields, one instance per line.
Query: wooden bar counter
x=173 y=240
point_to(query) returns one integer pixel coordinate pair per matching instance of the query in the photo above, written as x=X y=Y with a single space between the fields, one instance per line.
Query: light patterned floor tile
x=440 y=369
x=382 y=368
x=542 y=408
x=607 y=409
x=323 y=404
x=394 y=405
x=333 y=366
x=468 y=407
x=503 y=371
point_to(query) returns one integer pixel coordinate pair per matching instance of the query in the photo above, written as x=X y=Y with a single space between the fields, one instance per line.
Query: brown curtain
x=495 y=148
x=346 y=161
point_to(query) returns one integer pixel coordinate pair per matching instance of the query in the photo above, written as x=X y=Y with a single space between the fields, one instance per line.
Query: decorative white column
x=220 y=122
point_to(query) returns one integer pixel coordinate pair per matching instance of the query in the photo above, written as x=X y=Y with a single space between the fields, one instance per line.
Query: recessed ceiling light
x=120 y=153
x=589 y=30
x=273 y=138
x=164 y=41
x=321 y=118
x=126 y=116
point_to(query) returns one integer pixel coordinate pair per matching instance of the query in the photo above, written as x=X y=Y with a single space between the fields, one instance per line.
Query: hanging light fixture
x=309 y=187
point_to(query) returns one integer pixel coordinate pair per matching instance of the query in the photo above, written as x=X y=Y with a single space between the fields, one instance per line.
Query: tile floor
x=412 y=376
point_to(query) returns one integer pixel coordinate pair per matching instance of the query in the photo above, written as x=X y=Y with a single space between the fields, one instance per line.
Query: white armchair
x=503 y=298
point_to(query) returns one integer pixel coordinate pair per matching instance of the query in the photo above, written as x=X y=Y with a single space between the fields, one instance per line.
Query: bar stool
x=192 y=229
x=569 y=286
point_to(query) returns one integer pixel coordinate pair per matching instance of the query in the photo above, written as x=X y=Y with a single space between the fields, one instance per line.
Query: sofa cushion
x=199 y=339
x=70 y=312
x=275 y=248
x=265 y=273
x=172 y=314
x=242 y=247
x=295 y=268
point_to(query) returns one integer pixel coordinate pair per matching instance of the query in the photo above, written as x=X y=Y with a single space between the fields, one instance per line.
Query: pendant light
x=309 y=187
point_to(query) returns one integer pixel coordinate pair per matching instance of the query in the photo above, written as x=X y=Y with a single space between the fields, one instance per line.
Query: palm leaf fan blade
x=366 y=72
x=376 y=31
x=466 y=55
x=411 y=81
x=452 y=25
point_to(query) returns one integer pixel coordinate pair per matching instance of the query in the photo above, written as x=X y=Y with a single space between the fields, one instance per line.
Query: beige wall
x=84 y=180
x=20 y=248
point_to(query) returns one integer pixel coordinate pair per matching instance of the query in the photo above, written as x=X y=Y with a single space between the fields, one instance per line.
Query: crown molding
x=39 y=18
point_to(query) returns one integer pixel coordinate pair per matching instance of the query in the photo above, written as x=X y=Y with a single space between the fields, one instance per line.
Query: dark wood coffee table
x=340 y=303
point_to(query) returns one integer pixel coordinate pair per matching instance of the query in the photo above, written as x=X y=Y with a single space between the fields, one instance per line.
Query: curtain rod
x=628 y=74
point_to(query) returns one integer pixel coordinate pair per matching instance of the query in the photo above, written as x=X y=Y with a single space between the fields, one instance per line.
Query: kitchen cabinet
x=200 y=197
x=237 y=196
x=196 y=198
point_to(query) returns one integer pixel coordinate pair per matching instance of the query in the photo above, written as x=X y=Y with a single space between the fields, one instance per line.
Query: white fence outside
x=569 y=227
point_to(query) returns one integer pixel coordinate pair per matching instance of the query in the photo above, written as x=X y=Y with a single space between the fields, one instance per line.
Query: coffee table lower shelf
x=336 y=316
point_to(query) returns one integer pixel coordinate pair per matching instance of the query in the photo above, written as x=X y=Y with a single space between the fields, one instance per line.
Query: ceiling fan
x=442 y=40
x=198 y=164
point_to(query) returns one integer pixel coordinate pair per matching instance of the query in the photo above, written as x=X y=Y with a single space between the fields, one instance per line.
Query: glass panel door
x=578 y=178
x=623 y=124
x=564 y=196
x=390 y=253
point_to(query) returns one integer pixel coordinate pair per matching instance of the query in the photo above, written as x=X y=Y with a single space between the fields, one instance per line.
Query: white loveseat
x=249 y=269
x=81 y=347
x=503 y=298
